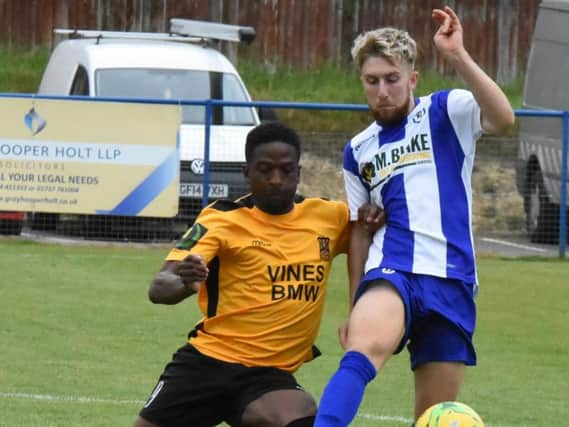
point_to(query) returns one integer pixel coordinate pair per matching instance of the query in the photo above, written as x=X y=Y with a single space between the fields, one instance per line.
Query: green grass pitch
x=80 y=344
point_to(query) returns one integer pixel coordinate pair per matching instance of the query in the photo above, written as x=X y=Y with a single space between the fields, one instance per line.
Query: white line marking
x=402 y=420
x=408 y=421
x=79 y=399
x=69 y=399
x=47 y=238
x=513 y=245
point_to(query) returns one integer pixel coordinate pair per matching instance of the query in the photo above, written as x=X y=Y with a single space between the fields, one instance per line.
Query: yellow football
x=450 y=414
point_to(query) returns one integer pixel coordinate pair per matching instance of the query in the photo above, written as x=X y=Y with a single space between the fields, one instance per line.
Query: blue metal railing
x=210 y=103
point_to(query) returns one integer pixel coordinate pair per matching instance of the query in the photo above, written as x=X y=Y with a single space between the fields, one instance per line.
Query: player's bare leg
x=436 y=382
x=280 y=408
x=375 y=329
x=377 y=324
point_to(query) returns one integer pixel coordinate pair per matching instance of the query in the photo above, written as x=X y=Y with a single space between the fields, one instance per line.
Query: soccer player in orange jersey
x=260 y=267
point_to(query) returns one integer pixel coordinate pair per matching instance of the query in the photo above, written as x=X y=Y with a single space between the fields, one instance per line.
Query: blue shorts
x=440 y=315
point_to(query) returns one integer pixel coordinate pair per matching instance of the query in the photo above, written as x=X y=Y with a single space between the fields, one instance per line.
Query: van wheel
x=542 y=216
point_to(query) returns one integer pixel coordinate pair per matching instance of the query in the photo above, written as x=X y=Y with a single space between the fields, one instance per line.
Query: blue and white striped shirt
x=419 y=172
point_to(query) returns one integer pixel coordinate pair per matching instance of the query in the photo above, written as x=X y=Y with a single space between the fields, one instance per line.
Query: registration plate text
x=195 y=190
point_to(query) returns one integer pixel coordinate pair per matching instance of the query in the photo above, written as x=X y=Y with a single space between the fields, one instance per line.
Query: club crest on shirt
x=368 y=172
x=324 y=244
x=419 y=115
x=192 y=236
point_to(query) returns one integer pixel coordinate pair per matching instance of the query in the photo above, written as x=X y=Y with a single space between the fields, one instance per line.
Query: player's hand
x=343 y=334
x=193 y=271
x=371 y=216
x=448 y=39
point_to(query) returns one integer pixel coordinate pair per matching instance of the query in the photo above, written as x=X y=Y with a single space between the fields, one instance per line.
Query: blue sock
x=345 y=390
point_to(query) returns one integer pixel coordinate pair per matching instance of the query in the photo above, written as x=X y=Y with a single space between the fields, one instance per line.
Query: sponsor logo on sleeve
x=192 y=236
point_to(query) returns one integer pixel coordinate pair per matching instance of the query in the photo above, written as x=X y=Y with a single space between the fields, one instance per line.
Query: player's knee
x=278 y=409
x=302 y=422
x=300 y=415
x=141 y=422
x=281 y=419
x=378 y=343
x=377 y=350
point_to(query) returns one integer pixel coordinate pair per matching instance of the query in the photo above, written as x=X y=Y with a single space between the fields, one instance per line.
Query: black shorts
x=197 y=390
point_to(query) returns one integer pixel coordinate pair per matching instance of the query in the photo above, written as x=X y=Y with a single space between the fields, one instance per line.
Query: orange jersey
x=263 y=300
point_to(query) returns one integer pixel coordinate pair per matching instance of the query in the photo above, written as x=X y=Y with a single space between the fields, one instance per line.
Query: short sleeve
x=202 y=238
x=344 y=224
x=465 y=116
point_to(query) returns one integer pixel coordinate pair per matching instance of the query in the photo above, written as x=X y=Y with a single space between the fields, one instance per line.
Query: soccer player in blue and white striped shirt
x=413 y=283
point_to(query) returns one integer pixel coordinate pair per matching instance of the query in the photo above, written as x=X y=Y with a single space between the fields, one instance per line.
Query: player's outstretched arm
x=370 y=219
x=360 y=240
x=177 y=280
x=497 y=113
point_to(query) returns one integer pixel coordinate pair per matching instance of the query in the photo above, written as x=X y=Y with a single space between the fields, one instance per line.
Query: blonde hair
x=390 y=43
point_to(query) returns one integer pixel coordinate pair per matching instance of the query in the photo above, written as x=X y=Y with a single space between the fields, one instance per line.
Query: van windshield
x=179 y=84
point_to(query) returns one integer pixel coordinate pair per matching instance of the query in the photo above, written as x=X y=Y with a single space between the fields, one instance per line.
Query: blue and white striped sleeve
x=465 y=116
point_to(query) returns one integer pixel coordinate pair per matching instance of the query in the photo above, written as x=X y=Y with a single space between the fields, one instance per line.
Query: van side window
x=80 y=84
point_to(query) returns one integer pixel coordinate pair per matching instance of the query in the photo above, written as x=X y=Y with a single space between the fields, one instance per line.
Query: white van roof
x=555 y=4
x=123 y=53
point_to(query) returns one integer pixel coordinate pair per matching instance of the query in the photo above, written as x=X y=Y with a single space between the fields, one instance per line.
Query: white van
x=181 y=65
x=546 y=87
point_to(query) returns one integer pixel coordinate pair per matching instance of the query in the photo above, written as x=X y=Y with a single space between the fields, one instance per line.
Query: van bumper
x=12 y=216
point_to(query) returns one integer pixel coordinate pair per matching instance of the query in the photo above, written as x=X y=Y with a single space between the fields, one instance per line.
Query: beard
x=392 y=116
